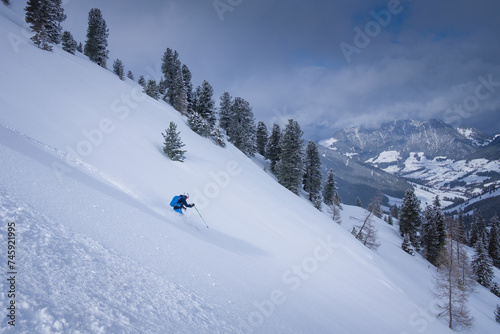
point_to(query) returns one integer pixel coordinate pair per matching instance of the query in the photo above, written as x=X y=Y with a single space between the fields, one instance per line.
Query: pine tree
x=430 y=236
x=79 y=48
x=45 y=17
x=188 y=88
x=151 y=89
x=119 y=69
x=358 y=202
x=261 y=138
x=330 y=190
x=217 y=136
x=497 y=314
x=142 y=81
x=406 y=245
x=242 y=128
x=494 y=241
x=433 y=234
x=205 y=105
x=97 y=38
x=179 y=101
x=273 y=147
x=289 y=169
x=409 y=218
x=478 y=228
x=68 y=42
x=6 y=2
x=198 y=124
x=482 y=265
x=173 y=144
x=225 y=112
x=495 y=289
x=170 y=67
x=452 y=289
x=440 y=222
x=130 y=75
x=311 y=179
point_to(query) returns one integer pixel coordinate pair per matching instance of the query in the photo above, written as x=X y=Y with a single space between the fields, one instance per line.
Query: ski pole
x=201 y=216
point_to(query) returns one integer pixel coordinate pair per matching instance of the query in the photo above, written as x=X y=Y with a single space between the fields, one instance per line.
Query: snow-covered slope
x=98 y=249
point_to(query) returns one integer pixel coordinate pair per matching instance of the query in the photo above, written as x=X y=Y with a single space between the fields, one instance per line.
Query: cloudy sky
x=328 y=64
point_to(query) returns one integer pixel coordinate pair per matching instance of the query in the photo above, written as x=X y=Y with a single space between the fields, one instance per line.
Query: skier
x=181 y=203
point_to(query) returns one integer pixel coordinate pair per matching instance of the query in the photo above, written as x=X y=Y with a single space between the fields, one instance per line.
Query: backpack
x=174 y=201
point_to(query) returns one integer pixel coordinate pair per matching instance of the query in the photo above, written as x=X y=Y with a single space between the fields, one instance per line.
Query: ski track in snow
x=69 y=283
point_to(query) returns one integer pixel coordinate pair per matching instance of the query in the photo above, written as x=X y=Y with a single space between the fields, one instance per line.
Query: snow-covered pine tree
x=452 y=290
x=462 y=233
x=217 y=136
x=119 y=69
x=173 y=143
x=169 y=68
x=178 y=91
x=96 y=46
x=494 y=241
x=358 y=202
x=409 y=218
x=151 y=89
x=261 y=138
x=329 y=189
x=6 y=2
x=45 y=17
x=188 y=88
x=311 y=179
x=478 y=228
x=273 y=147
x=440 y=221
x=242 y=128
x=429 y=239
x=225 y=110
x=130 y=75
x=289 y=169
x=142 y=81
x=68 y=42
x=495 y=289
x=198 y=124
x=56 y=14
x=406 y=245
x=497 y=314
x=205 y=105
x=482 y=265
x=79 y=48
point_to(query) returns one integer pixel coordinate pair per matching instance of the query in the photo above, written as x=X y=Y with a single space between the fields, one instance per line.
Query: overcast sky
x=328 y=64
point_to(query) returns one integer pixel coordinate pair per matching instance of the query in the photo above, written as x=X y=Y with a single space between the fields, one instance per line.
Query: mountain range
x=462 y=160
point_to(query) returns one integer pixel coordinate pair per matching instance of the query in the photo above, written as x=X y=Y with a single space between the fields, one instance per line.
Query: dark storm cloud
x=326 y=63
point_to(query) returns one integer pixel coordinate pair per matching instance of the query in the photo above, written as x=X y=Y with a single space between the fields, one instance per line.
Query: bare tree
x=368 y=233
x=453 y=282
